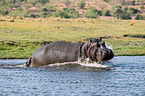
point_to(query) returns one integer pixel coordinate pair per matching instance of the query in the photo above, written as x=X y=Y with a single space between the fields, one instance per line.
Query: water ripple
x=127 y=79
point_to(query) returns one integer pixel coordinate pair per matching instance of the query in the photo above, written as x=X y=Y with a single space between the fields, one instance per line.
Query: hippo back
x=55 y=52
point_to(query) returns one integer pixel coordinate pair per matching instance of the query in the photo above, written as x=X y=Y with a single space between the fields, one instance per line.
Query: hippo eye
x=98 y=45
x=103 y=44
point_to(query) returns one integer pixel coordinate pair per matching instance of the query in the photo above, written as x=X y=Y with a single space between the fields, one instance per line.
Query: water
x=127 y=78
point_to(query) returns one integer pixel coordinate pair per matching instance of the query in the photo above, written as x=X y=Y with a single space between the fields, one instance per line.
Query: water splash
x=65 y=63
x=12 y=64
x=109 y=46
x=86 y=63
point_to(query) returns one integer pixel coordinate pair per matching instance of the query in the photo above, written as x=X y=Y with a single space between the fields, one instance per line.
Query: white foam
x=109 y=46
x=92 y=64
x=82 y=63
x=23 y=65
x=96 y=65
x=59 y=64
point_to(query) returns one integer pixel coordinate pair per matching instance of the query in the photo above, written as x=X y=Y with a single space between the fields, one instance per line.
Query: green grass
x=128 y=46
x=22 y=37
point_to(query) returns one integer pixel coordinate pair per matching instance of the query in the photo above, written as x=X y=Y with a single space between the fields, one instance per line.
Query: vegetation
x=125 y=13
x=91 y=13
x=67 y=2
x=66 y=13
x=20 y=37
x=81 y=4
x=106 y=12
x=77 y=8
x=140 y=17
x=26 y=30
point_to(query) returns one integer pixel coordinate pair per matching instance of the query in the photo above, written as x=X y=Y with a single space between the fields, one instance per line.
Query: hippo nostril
x=106 y=51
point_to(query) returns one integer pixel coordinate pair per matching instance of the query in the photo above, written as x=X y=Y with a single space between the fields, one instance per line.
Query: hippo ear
x=100 y=38
x=91 y=41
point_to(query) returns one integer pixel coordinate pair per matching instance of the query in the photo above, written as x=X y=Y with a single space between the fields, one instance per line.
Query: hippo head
x=98 y=51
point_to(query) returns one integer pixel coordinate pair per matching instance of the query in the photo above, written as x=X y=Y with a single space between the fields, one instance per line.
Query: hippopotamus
x=59 y=52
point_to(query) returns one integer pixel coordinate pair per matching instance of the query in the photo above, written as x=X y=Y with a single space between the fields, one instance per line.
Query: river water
x=125 y=78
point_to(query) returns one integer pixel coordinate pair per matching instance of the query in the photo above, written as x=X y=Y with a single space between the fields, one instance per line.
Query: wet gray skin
x=58 y=52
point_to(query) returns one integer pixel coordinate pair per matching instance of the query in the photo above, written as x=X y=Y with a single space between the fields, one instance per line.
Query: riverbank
x=20 y=37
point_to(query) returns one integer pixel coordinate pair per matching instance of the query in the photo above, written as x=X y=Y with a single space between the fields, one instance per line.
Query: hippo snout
x=107 y=54
x=104 y=55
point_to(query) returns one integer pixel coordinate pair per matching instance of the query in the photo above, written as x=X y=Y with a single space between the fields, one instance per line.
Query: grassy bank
x=20 y=37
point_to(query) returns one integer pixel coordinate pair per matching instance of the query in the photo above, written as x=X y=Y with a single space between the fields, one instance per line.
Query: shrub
x=15 y=13
x=100 y=12
x=134 y=11
x=140 y=17
x=72 y=13
x=4 y=12
x=66 y=13
x=33 y=2
x=81 y=4
x=44 y=15
x=61 y=14
x=25 y=13
x=19 y=12
x=117 y=10
x=125 y=15
x=34 y=16
x=47 y=8
x=67 y=2
x=44 y=9
x=106 y=12
x=91 y=13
